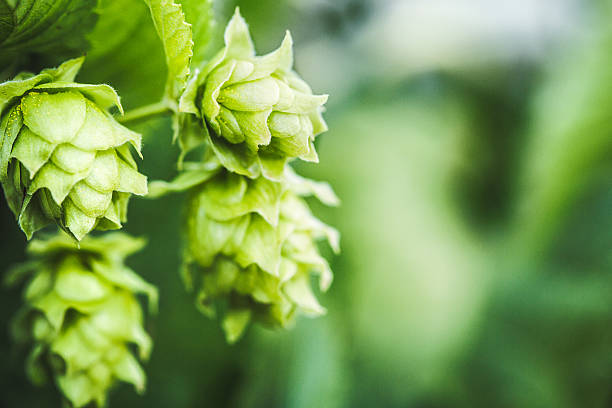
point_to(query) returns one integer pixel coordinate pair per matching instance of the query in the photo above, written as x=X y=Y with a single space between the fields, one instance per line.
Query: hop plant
x=251 y=247
x=63 y=157
x=259 y=111
x=82 y=316
x=251 y=243
x=250 y=237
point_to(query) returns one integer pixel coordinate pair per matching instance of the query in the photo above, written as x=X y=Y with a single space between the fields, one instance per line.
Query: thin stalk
x=145 y=112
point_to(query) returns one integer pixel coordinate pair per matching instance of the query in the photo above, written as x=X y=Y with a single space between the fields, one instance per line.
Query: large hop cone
x=82 y=316
x=251 y=245
x=260 y=112
x=63 y=157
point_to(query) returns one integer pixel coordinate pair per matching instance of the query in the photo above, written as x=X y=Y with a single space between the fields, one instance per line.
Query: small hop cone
x=252 y=243
x=82 y=316
x=63 y=157
x=260 y=112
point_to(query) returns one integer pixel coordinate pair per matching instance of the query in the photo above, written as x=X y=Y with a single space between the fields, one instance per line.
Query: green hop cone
x=251 y=244
x=63 y=157
x=258 y=109
x=82 y=316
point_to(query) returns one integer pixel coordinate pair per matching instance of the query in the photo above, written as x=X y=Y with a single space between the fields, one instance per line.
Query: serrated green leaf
x=53 y=26
x=199 y=13
x=176 y=36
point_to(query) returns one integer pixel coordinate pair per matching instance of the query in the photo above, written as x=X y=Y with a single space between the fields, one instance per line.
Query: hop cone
x=260 y=112
x=252 y=244
x=63 y=158
x=82 y=315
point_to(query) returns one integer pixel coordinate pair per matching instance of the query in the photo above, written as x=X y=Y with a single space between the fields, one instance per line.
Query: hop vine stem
x=145 y=112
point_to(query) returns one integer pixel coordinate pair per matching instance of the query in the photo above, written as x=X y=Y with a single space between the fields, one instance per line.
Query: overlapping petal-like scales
x=81 y=311
x=260 y=112
x=72 y=159
x=252 y=243
x=263 y=272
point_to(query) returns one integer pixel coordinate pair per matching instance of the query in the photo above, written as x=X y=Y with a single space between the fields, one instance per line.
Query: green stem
x=145 y=112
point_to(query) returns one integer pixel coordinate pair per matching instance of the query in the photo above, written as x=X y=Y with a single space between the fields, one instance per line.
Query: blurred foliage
x=477 y=233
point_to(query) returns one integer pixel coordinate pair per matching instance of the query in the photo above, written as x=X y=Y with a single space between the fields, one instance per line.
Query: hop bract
x=259 y=110
x=82 y=316
x=262 y=271
x=63 y=157
x=251 y=243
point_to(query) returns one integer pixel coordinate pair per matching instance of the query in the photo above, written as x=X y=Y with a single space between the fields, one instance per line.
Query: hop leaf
x=177 y=40
x=50 y=26
x=259 y=110
x=252 y=244
x=63 y=157
x=82 y=316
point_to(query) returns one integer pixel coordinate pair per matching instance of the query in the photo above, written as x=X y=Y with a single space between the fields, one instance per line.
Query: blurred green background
x=471 y=144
